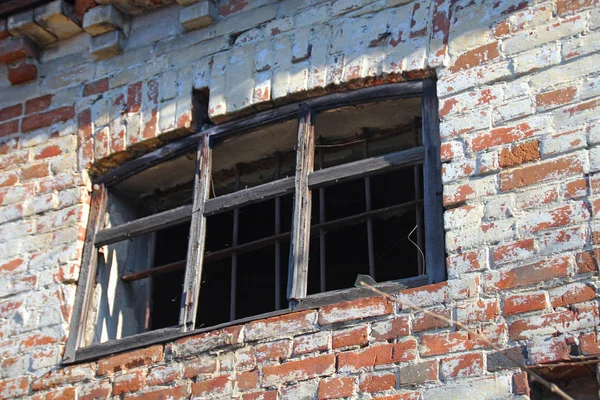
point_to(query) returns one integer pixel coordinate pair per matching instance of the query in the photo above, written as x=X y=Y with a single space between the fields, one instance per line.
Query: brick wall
x=519 y=90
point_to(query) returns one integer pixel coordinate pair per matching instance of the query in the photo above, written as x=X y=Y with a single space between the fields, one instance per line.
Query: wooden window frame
x=301 y=184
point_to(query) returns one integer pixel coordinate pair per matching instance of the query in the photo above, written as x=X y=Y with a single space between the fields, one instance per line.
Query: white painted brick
x=466 y=123
x=537 y=59
x=198 y=15
x=463 y=216
x=499 y=207
x=556 y=75
x=581 y=46
x=590 y=88
x=102 y=19
x=512 y=110
x=450 y=83
x=562 y=142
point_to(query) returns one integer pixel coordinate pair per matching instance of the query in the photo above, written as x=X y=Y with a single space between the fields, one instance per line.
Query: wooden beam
x=300 y=236
x=435 y=257
x=218 y=132
x=144 y=225
x=193 y=270
x=249 y=196
x=87 y=276
x=366 y=167
x=156 y=271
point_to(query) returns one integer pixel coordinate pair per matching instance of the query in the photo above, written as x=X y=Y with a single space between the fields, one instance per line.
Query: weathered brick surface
x=519 y=99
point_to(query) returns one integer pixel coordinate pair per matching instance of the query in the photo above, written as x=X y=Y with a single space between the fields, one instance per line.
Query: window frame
x=301 y=185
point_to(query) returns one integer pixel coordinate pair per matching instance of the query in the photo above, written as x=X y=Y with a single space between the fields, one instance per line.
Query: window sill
x=96 y=351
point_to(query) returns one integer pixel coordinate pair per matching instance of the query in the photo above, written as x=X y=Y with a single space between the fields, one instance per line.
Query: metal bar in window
x=367 y=167
x=278 y=242
x=193 y=269
x=322 y=245
x=87 y=276
x=432 y=179
x=369 y=206
x=418 y=208
x=234 y=243
x=156 y=271
x=300 y=235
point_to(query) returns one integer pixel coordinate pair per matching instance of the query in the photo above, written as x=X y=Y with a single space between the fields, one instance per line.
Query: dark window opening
x=578 y=381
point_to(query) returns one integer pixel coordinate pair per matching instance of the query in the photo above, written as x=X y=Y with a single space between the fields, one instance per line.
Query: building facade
x=114 y=112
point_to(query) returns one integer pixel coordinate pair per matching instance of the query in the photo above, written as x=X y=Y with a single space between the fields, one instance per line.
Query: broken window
x=264 y=214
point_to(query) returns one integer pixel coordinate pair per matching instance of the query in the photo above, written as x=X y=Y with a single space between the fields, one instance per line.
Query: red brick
x=134 y=97
x=571 y=6
x=176 y=392
x=95 y=390
x=549 y=350
x=129 y=382
x=202 y=365
x=162 y=375
x=390 y=329
x=279 y=350
x=10 y=127
x=35 y=171
x=81 y=7
x=500 y=136
x=38 y=104
x=247 y=380
x=520 y=383
x=10 y=266
x=555 y=322
x=299 y=370
x=424 y=322
x=356 y=309
x=69 y=393
x=512 y=252
x=37 y=121
x=462 y=366
x=576 y=189
x=22 y=73
x=232 y=6
x=49 y=151
x=586 y=262
x=481 y=310
x=524 y=302
x=11 y=112
x=335 y=388
x=525 y=275
x=520 y=154
x=573 y=293
x=354 y=336
x=14 y=387
x=475 y=57
x=132 y=359
x=469 y=261
x=377 y=383
x=433 y=344
x=268 y=395
x=8 y=146
x=401 y=396
x=293 y=323
x=63 y=376
x=352 y=361
x=17 y=48
x=213 y=387
x=556 y=97
x=97 y=87
x=589 y=344
x=566 y=215
x=9 y=179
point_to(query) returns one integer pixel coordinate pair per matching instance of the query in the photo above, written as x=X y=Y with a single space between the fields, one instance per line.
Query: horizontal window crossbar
x=366 y=167
x=156 y=271
x=144 y=225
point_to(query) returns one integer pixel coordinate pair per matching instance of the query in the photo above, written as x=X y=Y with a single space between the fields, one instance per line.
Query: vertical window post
x=193 y=269
x=300 y=235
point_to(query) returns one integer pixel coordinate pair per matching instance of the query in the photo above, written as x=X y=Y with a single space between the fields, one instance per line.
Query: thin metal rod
x=234 y=260
x=322 y=233
x=278 y=242
x=163 y=269
x=369 y=206
x=418 y=215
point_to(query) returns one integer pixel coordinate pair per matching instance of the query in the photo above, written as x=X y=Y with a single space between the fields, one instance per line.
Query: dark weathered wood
x=366 y=167
x=156 y=271
x=182 y=146
x=338 y=296
x=8 y=7
x=435 y=266
x=87 y=276
x=193 y=270
x=234 y=256
x=300 y=236
x=144 y=225
x=125 y=344
x=249 y=196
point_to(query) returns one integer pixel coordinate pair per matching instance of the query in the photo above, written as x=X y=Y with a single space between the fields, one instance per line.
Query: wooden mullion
x=144 y=225
x=300 y=234
x=367 y=167
x=193 y=270
x=435 y=266
x=87 y=275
